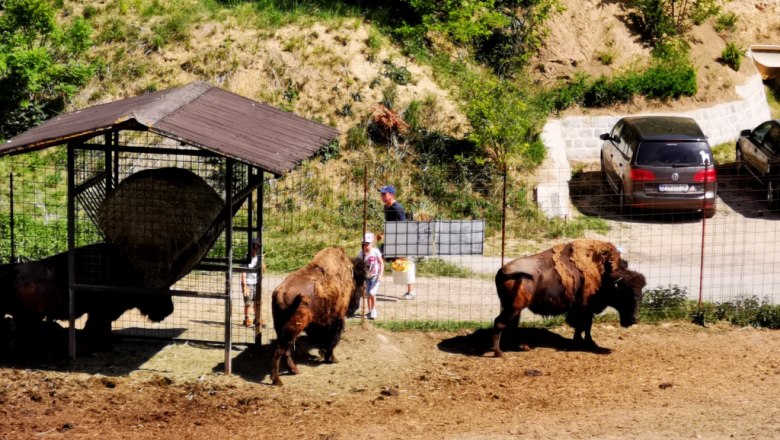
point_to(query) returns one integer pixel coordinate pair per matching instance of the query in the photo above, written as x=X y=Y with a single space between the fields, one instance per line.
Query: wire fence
x=728 y=256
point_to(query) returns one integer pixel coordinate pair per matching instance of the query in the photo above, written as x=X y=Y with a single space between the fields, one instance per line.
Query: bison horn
x=618 y=280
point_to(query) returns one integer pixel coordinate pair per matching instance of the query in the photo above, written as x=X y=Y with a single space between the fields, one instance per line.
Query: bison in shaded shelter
x=580 y=279
x=38 y=290
x=316 y=299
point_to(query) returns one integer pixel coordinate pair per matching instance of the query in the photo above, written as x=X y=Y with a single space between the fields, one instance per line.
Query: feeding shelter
x=162 y=177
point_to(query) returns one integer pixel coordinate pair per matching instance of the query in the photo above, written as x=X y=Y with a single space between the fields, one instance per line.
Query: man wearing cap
x=394 y=212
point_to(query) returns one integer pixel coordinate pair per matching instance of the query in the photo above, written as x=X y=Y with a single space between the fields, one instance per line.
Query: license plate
x=667 y=187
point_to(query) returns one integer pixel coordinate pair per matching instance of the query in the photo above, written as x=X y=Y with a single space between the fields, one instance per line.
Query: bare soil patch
x=673 y=380
x=589 y=28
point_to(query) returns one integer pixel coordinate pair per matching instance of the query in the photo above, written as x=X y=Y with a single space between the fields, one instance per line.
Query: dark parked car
x=660 y=163
x=758 y=152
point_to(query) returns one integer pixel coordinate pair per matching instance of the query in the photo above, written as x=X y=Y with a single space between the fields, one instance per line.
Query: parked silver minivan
x=659 y=163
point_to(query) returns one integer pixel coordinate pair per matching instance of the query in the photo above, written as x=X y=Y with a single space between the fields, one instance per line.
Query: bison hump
x=523 y=265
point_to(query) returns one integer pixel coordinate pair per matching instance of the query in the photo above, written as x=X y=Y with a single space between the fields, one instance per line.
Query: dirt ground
x=653 y=381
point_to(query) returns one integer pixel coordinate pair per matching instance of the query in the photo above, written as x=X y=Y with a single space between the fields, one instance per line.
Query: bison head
x=628 y=295
x=155 y=306
x=359 y=275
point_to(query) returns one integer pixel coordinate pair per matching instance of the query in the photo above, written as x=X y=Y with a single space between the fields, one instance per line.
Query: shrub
x=669 y=81
x=743 y=311
x=571 y=93
x=704 y=9
x=398 y=74
x=732 y=55
x=41 y=64
x=653 y=19
x=665 y=302
x=605 y=91
x=606 y=57
x=725 y=22
x=659 y=20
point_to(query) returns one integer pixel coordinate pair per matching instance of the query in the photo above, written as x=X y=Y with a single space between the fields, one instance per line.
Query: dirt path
x=665 y=381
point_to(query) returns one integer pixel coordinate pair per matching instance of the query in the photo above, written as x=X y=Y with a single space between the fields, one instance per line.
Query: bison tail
x=282 y=316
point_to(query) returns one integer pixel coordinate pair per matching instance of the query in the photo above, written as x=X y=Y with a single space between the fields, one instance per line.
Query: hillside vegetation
x=468 y=85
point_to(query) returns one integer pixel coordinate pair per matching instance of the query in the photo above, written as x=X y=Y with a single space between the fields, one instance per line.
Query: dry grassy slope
x=589 y=27
x=329 y=62
x=326 y=63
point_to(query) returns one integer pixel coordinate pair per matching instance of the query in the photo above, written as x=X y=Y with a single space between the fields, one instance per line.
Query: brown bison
x=38 y=290
x=580 y=279
x=316 y=299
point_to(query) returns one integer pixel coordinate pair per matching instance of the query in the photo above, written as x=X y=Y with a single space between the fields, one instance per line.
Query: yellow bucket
x=403 y=271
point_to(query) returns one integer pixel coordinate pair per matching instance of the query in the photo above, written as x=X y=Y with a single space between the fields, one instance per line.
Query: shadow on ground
x=480 y=342
x=253 y=364
x=126 y=354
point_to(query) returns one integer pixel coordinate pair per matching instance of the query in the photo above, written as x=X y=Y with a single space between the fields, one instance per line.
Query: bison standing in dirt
x=316 y=299
x=580 y=279
x=38 y=290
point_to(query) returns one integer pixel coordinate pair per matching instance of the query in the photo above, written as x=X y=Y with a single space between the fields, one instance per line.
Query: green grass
x=724 y=153
x=772 y=91
x=432 y=325
x=433 y=266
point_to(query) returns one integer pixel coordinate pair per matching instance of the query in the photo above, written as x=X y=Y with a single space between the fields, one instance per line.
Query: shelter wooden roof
x=198 y=114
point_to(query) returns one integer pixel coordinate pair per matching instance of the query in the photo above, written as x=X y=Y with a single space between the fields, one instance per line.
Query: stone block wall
x=721 y=123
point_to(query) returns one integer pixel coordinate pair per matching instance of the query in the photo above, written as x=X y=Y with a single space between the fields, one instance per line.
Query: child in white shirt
x=376 y=267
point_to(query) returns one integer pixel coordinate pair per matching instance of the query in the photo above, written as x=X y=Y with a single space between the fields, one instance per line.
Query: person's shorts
x=372 y=286
x=250 y=298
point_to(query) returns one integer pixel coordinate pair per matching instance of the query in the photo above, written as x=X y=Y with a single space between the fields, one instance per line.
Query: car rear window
x=674 y=154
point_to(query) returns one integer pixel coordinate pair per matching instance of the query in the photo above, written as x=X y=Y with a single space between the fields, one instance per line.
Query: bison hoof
x=524 y=347
x=277 y=382
x=498 y=353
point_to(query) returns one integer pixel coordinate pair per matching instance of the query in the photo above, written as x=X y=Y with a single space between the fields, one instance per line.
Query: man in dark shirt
x=395 y=212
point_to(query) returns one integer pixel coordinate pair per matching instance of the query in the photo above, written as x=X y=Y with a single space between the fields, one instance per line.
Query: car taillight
x=638 y=175
x=706 y=175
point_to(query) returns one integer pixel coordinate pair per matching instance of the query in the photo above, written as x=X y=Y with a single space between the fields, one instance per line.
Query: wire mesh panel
x=722 y=258
x=150 y=231
x=462 y=233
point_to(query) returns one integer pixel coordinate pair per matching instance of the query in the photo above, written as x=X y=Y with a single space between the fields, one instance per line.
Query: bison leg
x=333 y=336
x=291 y=365
x=285 y=345
x=278 y=353
x=503 y=320
x=582 y=323
x=98 y=332
x=283 y=349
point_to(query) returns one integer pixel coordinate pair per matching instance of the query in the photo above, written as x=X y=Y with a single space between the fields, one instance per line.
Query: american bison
x=316 y=299
x=580 y=279
x=38 y=290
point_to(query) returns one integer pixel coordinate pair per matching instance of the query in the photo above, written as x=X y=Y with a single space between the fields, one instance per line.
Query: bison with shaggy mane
x=580 y=279
x=316 y=299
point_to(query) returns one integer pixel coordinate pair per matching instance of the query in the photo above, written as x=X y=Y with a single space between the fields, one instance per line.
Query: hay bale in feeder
x=163 y=220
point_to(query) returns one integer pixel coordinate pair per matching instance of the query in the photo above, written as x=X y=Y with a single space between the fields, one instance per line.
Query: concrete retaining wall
x=575 y=139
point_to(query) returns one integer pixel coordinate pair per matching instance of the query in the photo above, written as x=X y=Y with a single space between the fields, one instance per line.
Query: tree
x=42 y=64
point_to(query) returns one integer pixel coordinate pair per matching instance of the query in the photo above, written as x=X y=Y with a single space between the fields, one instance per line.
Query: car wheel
x=622 y=208
x=772 y=195
x=709 y=213
x=738 y=160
